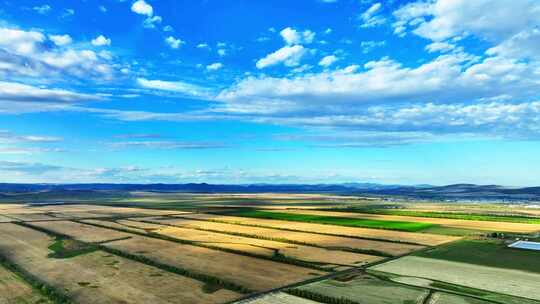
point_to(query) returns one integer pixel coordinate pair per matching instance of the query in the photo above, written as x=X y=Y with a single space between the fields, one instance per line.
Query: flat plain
x=455 y=223
x=188 y=248
x=377 y=234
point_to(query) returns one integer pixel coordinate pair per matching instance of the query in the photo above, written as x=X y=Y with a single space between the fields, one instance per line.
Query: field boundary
x=297 y=230
x=44 y=288
x=275 y=258
x=281 y=240
x=204 y=278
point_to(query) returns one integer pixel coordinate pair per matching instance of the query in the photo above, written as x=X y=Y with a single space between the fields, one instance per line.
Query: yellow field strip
x=81 y=232
x=253 y=273
x=99 y=277
x=326 y=241
x=396 y=236
x=455 y=223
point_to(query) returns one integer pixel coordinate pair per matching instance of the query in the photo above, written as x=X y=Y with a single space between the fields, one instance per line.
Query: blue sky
x=307 y=91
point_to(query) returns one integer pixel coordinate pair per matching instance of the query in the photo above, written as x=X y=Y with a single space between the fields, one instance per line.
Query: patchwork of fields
x=85 y=253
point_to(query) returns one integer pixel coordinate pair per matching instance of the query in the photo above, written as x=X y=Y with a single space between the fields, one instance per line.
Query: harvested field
x=13 y=290
x=397 y=236
x=326 y=241
x=365 y=289
x=99 y=277
x=32 y=217
x=252 y=273
x=4 y=219
x=455 y=223
x=446 y=298
x=114 y=225
x=82 y=232
x=270 y=248
x=278 y=298
x=515 y=282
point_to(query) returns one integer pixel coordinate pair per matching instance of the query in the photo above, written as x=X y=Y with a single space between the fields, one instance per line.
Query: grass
x=63 y=248
x=448 y=215
x=334 y=220
x=486 y=253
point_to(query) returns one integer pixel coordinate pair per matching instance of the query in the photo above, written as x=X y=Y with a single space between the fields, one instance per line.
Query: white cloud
x=222 y=52
x=142 y=8
x=17 y=92
x=328 y=61
x=102 y=8
x=287 y=55
x=174 y=86
x=29 y=54
x=440 y=20
x=60 y=40
x=151 y=22
x=370 y=17
x=442 y=47
x=292 y=36
x=368 y=46
x=203 y=46
x=20 y=42
x=174 y=43
x=214 y=66
x=43 y=9
x=168 y=28
x=101 y=41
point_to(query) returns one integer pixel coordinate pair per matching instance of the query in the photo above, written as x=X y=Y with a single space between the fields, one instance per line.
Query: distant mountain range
x=449 y=192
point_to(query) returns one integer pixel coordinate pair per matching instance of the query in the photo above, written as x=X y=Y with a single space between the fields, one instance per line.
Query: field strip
x=519 y=283
x=99 y=277
x=326 y=241
x=271 y=248
x=277 y=298
x=455 y=223
x=333 y=220
x=4 y=219
x=82 y=232
x=363 y=233
x=252 y=273
x=362 y=288
x=14 y=290
x=185 y=257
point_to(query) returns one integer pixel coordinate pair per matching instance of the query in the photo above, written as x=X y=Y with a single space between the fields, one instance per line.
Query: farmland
x=283 y=251
x=487 y=223
x=335 y=220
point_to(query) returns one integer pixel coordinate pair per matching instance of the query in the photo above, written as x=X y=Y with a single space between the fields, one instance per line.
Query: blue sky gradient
x=310 y=91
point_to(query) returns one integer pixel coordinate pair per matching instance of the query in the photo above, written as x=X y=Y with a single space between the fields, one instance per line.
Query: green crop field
x=447 y=215
x=486 y=253
x=333 y=220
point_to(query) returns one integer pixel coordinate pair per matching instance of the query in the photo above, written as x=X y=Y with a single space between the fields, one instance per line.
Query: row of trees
x=184 y=272
x=306 y=294
x=52 y=293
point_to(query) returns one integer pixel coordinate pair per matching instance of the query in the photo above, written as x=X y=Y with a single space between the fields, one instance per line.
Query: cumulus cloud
x=60 y=40
x=42 y=9
x=174 y=43
x=17 y=92
x=174 y=86
x=142 y=8
x=28 y=54
x=368 y=46
x=101 y=41
x=214 y=66
x=371 y=18
x=442 y=47
x=443 y=19
x=328 y=61
x=288 y=55
x=292 y=36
